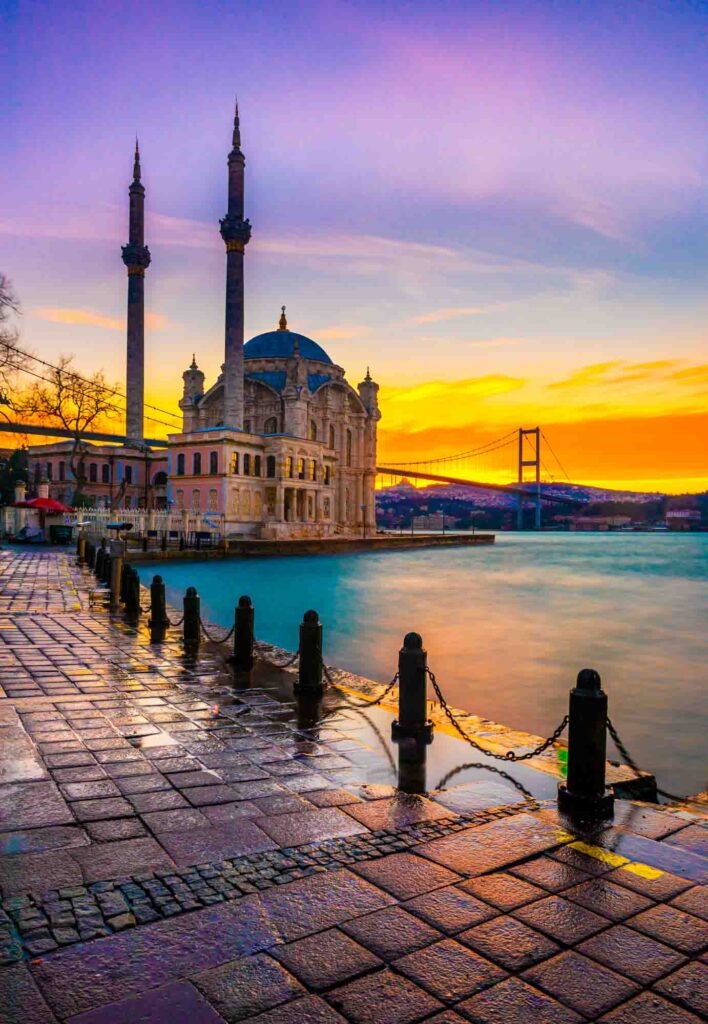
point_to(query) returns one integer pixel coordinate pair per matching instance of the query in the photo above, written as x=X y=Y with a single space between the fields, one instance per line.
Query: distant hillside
x=405 y=491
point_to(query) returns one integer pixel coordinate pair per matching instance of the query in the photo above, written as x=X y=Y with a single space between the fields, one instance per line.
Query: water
x=507 y=627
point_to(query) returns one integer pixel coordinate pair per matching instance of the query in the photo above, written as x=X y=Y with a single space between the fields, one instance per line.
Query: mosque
x=280 y=444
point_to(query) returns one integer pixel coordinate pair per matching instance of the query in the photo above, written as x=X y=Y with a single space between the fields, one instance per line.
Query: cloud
x=587 y=375
x=449 y=313
x=343 y=333
x=89 y=318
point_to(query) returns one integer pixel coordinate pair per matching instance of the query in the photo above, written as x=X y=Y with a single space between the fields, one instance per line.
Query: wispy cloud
x=90 y=318
x=449 y=313
x=341 y=333
x=620 y=372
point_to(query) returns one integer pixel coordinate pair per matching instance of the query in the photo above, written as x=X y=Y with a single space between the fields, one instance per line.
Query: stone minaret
x=136 y=257
x=236 y=232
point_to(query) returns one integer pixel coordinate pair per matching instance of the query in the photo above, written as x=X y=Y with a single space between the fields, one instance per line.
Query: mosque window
x=62 y=471
x=270 y=466
x=160 y=479
x=289 y=466
x=331 y=437
x=213 y=463
x=327 y=475
x=93 y=473
x=180 y=500
x=247 y=465
x=349 y=447
x=180 y=464
x=257 y=465
x=247 y=426
x=196 y=500
x=312 y=475
x=271 y=425
x=234 y=462
x=129 y=474
x=105 y=473
x=49 y=471
x=313 y=430
x=197 y=464
x=301 y=469
x=213 y=499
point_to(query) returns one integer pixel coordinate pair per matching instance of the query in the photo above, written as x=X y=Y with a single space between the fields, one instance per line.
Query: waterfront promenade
x=174 y=849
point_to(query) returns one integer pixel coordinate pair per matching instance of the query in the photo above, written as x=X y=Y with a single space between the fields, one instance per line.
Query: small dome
x=281 y=345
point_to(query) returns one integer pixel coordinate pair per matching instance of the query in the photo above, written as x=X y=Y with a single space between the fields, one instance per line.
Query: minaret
x=236 y=232
x=136 y=257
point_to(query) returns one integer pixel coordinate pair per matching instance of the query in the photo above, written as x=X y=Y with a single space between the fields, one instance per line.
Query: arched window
x=331 y=437
x=180 y=500
x=289 y=466
x=105 y=473
x=180 y=464
x=257 y=465
x=62 y=471
x=349 y=447
x=160 y=479
x=213 y=499
x=196 y=500
x=301 y=469
x=271 y=425
x=234 y=462
x=129 y=474
x=49 y=471
x=327 y=475
x=312 y=475
x=93 y=473
x=270 y=466
x=247 y=465
x=313 y=430
x=247 y=426
x=213 y=463
x=197 y=464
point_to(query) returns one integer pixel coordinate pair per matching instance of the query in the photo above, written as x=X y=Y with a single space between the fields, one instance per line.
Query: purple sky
x=445 y=190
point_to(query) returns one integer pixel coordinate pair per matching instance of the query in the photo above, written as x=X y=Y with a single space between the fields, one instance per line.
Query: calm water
x=508 y=627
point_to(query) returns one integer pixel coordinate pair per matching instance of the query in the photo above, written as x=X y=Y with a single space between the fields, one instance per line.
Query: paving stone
x=332 y=798
x=308 y=1010
x=121 y=754
x=604 y=897
x=476 y=796
x=224 y=814
x=584 y=985
x=689 y=987
x=383 y=997
x=142 y=783
x=515 y=1002
x=549 y=874
x=564 y=921
x=90 y=773
x=693 y=901
x=285 y=803
x=83 y=977
x=310 y=826
x=99 y=810
x=254 y=790
x=682 y=931
x=326 y=959
x=176 y=820
x=172 y=763
x=21 y=1002
x=660 y=887
x=665 y=856
x=194 y=778
x=639 y=957
x=649 y=1008
x=112 y=830
x=391 y=933
x=179 y=1003
x=33 y=805
x=396 y=812
x=111 y=860
x=502 y=890
x=125 y=769
x=246 y=987
x=510 y=943
x=200 y=796
x=73 y=759
x=89 y=790
x=451 y=909
x=693 y=838
x=42 y=840
x=476 y=851
x=449 y=970
x=215 y=843
x=405 y=874
x=38 y=872
x=161 y=800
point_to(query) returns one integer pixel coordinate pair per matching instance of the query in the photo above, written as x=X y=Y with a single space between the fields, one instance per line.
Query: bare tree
x=77 y=403
x=12 y=360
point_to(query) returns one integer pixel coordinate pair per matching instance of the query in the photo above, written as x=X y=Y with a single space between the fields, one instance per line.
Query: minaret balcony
x=136 y=258
x=235 y=231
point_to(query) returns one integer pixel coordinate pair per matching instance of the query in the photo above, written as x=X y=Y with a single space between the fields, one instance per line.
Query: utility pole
x=535 y=462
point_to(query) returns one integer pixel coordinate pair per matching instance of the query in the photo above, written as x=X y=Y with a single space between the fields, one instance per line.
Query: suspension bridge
x=515 y=456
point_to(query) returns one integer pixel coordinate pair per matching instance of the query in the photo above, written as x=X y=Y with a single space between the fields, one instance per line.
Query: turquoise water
x=507 y=627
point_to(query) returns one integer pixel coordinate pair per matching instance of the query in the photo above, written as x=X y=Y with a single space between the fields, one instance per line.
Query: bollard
x=244 y=616
x=98 y=562
x=89 y=554
x=106 y=567
x=412 y=688
x=310 y=668
x=158 y=621
x=125 y=573
x=132 y=593
x=115 y=579
x=584 y=796
x=192 y=613
x=81 y=549
x=145 y=542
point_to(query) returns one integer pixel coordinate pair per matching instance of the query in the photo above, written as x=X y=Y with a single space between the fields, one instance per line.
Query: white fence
x=96 y=521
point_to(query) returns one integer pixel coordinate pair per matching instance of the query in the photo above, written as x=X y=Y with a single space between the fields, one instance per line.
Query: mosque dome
x=280 y=344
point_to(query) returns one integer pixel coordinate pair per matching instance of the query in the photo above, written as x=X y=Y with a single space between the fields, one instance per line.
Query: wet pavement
x=175 y=848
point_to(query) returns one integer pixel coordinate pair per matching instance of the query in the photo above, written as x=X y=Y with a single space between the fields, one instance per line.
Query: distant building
x=116 y=476
x=584 y=524
x=683 y=518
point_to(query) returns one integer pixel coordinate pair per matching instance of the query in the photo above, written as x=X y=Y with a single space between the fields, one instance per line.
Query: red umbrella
x=43 y=504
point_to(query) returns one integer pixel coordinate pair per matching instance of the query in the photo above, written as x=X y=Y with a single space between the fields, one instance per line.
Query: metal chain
x=371 y=703
x=527 y=795
x=631 y=763
x=509 y=755
x=175 y=624
x=280 y=664
x=216 y=639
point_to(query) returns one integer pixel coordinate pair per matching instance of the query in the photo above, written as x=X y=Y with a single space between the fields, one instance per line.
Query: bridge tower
x=534 y=433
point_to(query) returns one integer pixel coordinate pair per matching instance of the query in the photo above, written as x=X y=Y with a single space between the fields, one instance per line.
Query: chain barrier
x=370 y=703
x=527 y=795
x=631 y=763
x=509 y=756
x=216 y=639
x=176 y=624
x=280 y=664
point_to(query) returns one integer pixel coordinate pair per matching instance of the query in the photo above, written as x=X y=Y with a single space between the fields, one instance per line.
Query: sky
x=499 y=207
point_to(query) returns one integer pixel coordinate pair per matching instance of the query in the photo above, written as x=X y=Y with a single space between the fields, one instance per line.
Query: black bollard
x=158 y=621
x=412 y=690
x=310 y=668
x=584 y=796
x=191 y=632
x=244 y=616
x=106 y=569
x=125 y=573
x=98 y=562
x=132 y=594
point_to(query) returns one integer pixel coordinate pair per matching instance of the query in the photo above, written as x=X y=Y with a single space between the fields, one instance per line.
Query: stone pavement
x=175 y=849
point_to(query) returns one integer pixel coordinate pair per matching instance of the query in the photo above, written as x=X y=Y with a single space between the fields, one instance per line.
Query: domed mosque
x=281 y=444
